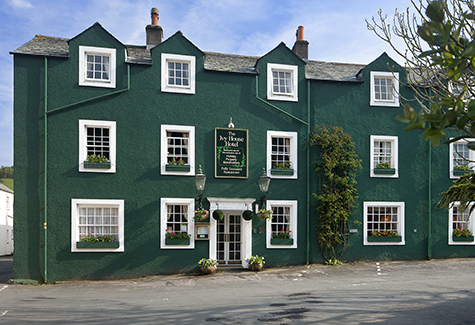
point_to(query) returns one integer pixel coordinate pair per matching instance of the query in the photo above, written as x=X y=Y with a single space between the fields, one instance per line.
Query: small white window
x=460 y=225
x=282 y=82
x=178 y=73
x=461 y=159
x=381 y=217
x=281 y=230
x=282 y=154
x=177 y=150
x=97 y=66
x=97 y=225
x=176 y=217
x=97 y=146
x=384 y=156
x=8 y=203
x=384 y=89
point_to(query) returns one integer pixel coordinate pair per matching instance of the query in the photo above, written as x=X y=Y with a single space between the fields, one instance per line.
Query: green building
x=159 y=112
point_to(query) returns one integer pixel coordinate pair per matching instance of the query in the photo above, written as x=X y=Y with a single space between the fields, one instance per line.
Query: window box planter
x=282 y=172
x=177 y=168
x=385 y=171
x=98 y=244
x=463 y=238
x=177 y=241
x=282 y=241
x=384 y=239
x=90 y=165
x=457 y=172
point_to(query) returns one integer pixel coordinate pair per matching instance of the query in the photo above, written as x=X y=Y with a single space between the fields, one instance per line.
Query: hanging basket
x=218 y=215
x=247 y=215
x=264 y=214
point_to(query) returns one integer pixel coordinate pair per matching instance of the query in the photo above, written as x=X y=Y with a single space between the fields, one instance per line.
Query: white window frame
x=395 y=79
x=191 y=60
x=293 y=152
x=75 y=203
x=394 y=153
x=110 y=52
x=191 y=148
x=293 y=222
x=451 y=226
x=401 y=208
x=163 y=221
x=452 y=153
x=83 y=124
x=293 y=70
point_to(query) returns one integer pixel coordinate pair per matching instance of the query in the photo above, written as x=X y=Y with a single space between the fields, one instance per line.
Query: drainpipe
x=308 y=151
x=429 y=238
x=46 y=112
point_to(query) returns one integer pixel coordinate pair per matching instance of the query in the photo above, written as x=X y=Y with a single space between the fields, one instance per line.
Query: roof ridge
x=235 y=55
x=53 y=37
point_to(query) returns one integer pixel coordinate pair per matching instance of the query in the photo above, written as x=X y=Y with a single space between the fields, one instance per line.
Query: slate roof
x=316 y=70
x=4 y=188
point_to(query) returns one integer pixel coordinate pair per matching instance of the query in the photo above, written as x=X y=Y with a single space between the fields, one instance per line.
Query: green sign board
x=231 y=153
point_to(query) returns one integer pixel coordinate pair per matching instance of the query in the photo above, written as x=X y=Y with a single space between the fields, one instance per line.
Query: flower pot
x=91 y=165
x=177 y=168
x=256 y=267
x=97 y=244
x=208 y=269
x=177 y=241
x=385 y=239
x=285 y=172
x=463 y=238
x=384 y=171
x=282 y=241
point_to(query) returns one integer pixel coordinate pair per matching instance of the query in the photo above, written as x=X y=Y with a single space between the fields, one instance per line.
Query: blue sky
x=336 y=30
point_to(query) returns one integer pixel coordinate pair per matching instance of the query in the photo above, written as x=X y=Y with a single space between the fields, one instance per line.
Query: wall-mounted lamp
x=264 y=182
x=200 y=181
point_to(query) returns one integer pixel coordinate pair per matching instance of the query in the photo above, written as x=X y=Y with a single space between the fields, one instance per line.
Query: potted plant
x=264 y=214
x=177 y=165
x=218 y=215
x=201 y=215
x=460 y=170
x=384 y=168
x=208 y=265
x=97 y=161
x=282 y=238
x=282 y=168
x=176 y=238
x=384 y=236
x=247 y=215
x=92 y=241
x=255 y=263
x=460 y=234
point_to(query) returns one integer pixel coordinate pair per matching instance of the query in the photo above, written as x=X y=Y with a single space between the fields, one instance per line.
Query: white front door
x=229 y=240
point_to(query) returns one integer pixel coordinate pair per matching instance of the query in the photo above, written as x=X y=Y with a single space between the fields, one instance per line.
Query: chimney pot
x=154 y=14
x=300 y=33
x=153 y=31
x=301 y=46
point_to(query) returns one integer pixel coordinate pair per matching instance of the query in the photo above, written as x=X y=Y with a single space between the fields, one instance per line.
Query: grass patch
x=8 y=182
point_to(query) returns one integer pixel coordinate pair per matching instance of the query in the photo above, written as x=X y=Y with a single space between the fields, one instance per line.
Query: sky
x=336 y=30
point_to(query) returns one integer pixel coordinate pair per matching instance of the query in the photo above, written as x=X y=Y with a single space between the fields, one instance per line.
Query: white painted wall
x=6 y=222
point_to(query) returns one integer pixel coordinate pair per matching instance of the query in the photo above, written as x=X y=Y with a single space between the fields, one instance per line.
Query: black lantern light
x=264 y=182
x=200 y=180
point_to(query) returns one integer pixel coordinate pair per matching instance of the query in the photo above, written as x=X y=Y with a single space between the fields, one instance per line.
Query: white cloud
x=20 y=4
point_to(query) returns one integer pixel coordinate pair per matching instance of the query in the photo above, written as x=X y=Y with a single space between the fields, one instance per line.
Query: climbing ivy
x=337 y=196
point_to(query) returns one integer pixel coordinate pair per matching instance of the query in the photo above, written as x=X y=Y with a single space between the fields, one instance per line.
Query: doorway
x=229 y=240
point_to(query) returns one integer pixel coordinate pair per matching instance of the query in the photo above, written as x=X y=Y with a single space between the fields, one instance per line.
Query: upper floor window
x=97 y=146
x=97 y=66
x=461 y=158
x=282 y=82
x=282 y=154
x=384 y=89
x=178 y=150
x=384 y=156
x=178 y=73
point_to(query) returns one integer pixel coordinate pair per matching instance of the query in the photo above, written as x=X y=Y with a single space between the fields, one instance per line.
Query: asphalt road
x=427 y=292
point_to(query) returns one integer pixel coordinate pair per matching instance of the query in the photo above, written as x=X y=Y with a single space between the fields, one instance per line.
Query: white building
x=6 y=220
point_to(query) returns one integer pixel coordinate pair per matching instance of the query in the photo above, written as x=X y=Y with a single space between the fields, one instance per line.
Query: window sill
x=282 y=241
x=94 y=245
x=177 y=168
x=177 y=241
x=282 y=172
x=96 y=165
x=461 y=172
x=384 y=239
x=464 y=239
x=384 y=171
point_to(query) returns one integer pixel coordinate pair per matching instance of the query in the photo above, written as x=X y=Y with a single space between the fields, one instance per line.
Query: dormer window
x=178 y=73
x=384 y=89
x=97 y=66
x=282 y=82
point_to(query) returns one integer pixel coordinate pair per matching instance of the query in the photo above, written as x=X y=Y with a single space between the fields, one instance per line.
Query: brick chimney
x=301 y=46
x=154 y=32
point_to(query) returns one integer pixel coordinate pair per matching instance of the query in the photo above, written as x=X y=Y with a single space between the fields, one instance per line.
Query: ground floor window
x=383 y=223
x=460 y=226
x=281 y=229
x=176 y=223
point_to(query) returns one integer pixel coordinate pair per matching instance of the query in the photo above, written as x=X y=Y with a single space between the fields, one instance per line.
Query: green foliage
x=178 y=162
x=282 y=234
x=337 y=197
x=256 y=259
x=264 y=214
x=459 y=232
x=8 y=182
x=463 y=191
x=201 y=215
x=176 y=235
x=385 y=233
x=383 y=165
x=207 y=262
x=333 y=262
x=6 y=172
x=97 y=159
x=283 y=165
x=461 y=167
x=92 y=238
